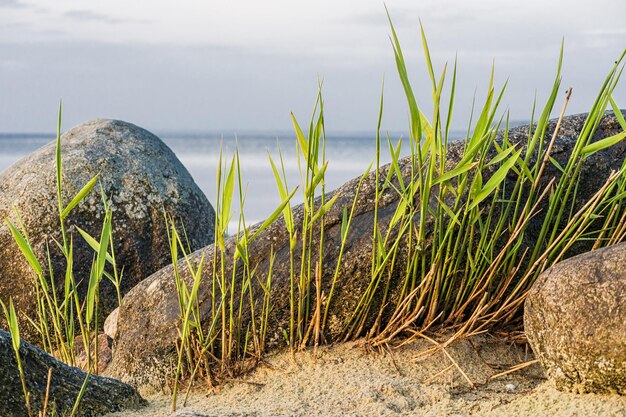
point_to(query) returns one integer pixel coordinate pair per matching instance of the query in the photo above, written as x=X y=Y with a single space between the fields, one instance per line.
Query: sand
x=351 y=380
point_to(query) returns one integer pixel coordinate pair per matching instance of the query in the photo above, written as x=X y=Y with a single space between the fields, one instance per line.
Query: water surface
x=348 y=155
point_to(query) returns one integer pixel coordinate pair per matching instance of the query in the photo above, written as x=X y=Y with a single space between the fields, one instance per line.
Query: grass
x=463 y=263
x=455 y=253
x=59 y=313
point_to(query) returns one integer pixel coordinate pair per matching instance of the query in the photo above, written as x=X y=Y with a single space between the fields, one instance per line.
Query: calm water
x=348 y=155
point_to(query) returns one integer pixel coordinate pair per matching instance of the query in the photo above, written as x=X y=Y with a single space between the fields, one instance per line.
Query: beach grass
x=468 y=266
x=455 y=243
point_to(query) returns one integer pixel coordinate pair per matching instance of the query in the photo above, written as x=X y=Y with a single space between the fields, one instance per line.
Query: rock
x=575 y=320
x=104 y=352
x=110 y=324
x=102 y=395
x=150 y=311
x=141 y=177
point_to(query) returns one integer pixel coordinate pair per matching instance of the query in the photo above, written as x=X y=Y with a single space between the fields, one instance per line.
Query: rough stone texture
x=140 y=175
x=110 y=324
x=150 y=311
x=103 y=395
x=575 y=320
x=104 y=352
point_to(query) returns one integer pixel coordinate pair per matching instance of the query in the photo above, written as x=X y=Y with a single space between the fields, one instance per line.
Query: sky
x=234 y=66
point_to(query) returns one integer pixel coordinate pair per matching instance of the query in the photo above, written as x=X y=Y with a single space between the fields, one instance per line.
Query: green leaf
x=429 y=63
x=93 y=243
x=477 y=185
x=455 y=172
x=419 y=123
x=241 y=249
x=14 y=327
x=557 y=165
x=302 y=140
x=25 y=247
x=80 y=395
x=319 y=176
x=97 y=269
x=344 y=224
x=501 y=156
x=395 y=157
x=79 y=197
x=618 y=113
x=282 y=191
x=272 y=218
x=227 y=196
x=324 y=209
x=495 y=180
x=59 y=163
x=603 y=144
x=451 y=214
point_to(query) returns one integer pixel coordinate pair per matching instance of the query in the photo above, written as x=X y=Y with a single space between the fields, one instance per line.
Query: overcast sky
x=231 y=66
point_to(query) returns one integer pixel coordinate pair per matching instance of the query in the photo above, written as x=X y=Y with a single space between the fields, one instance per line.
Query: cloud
x=606 y=32
x=88 y=15
x=12 y=4
x=604 y=38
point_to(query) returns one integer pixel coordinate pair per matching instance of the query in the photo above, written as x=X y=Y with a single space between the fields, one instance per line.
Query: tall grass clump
x=467 y=238
x=466 y=227
x=224 y=341
x=59 y=313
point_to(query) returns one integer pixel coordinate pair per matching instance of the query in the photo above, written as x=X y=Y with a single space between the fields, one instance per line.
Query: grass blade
x=603 y=144
x=79 y=197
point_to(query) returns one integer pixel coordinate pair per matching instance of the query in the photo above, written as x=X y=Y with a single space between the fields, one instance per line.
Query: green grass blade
x=302 y=140
x=227 y=196
x=282 y=191
x=495 y=180
x=25 y=248
x=603 y=144
x=79 y=197
x=429 y=63
x=618 y=113
x=59 y=163
x=324 y=209
x=344 y=224
x=455 y=172
x=501 y=156
x=80 y=395
x=93 y=243
x=272 y=218
x=14 y=327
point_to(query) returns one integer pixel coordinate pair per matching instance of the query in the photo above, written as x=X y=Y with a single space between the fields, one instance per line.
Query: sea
x=348 y=156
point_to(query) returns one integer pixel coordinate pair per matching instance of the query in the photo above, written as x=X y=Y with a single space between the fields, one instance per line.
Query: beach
x=354 y=380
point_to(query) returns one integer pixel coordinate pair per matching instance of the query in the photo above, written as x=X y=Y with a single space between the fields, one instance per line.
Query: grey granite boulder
x=102 y=395
x=575 y=320
x=141 y=177
x=150 y=311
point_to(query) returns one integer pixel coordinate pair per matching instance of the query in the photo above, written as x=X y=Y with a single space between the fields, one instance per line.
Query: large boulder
x=140 y=176
x=575 y=320
x=102 y=395
x=150 y=311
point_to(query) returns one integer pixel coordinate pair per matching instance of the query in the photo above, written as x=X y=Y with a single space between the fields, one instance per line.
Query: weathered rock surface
x=141 y=177
x=110 y=324
x=150 y=311
x=575 y=320
x=102 y=395
x=104 y=352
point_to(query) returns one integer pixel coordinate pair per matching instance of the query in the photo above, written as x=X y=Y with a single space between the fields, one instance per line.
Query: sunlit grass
x=452 y=255
x=457 y=253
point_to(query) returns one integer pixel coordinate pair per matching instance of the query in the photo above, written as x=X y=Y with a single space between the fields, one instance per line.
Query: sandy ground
x=353 y=381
